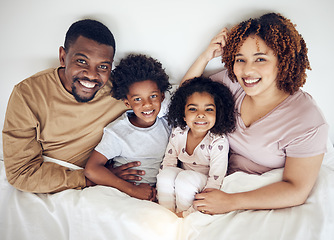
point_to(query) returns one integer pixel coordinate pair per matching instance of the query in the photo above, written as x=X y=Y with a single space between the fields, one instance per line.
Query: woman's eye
x=192 y=109
x=137 y=99
x=154 y=96
x=210 y=110
x=260 y=60
x=239 y=60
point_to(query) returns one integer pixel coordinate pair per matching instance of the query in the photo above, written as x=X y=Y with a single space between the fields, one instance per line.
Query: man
x=55 y=118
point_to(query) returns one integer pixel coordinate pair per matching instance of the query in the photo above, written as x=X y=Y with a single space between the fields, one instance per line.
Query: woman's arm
x=299 y=177
x=99 y=174
x=215 y=49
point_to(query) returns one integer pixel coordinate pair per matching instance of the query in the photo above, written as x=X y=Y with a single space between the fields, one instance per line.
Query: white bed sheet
x=105 y=213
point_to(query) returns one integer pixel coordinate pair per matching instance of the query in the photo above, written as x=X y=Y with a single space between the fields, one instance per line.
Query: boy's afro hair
x=137 y=68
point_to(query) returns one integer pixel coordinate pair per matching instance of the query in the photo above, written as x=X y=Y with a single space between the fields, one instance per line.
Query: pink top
x=210 y=157
x=295 y=128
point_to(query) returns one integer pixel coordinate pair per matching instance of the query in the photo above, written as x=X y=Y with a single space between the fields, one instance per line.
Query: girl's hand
x=143 y=191
x=179 y=214
x=213 y=201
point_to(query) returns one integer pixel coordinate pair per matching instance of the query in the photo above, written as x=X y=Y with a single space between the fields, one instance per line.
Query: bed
x=105 y=213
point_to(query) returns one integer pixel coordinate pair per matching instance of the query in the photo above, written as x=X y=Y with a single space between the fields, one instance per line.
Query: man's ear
x=62 y=56
x=126 y=102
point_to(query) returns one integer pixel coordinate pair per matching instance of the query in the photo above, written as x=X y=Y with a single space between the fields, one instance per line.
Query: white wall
x=173 y=31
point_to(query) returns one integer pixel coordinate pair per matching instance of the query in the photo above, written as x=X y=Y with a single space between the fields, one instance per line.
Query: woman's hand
x=215 y=49
x=213 y=201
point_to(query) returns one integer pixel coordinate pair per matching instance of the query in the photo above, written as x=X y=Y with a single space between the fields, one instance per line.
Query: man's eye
x=104 y=67
x=154 y=96
x=81 y=61
x=137 y=99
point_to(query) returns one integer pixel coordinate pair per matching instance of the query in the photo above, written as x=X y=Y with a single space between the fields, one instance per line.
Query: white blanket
x=105 y=213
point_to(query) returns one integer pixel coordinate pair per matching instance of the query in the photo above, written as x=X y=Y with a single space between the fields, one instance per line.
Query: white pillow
x=1 y=150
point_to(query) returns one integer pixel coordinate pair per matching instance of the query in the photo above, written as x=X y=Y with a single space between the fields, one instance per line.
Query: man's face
x=87 y=67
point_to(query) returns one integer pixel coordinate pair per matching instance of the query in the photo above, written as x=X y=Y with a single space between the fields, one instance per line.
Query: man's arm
x=24 y=165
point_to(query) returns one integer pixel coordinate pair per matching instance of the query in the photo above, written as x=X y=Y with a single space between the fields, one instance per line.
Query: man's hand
x=126 y=173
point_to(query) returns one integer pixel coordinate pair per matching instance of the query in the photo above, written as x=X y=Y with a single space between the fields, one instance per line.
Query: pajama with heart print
x=205 y=168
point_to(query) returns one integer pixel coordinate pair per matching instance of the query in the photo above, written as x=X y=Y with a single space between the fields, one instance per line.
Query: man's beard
x=77 y=96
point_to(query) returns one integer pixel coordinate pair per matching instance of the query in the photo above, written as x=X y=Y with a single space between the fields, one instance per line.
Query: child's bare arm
x=99 y=174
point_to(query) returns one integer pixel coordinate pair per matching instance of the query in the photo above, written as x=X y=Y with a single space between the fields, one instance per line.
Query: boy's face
x=145 y=100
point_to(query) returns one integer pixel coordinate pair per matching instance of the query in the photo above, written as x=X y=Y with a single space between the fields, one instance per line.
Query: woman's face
x=255 y=67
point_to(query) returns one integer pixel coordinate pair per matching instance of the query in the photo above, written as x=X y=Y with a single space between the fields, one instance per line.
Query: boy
x=139 y=134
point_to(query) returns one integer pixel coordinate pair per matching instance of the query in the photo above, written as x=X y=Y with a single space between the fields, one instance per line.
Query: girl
x=201 y=112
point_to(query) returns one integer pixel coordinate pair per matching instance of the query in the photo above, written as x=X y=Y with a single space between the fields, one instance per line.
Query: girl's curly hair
x=137 y=68
x=225 y=109
x=282 y=37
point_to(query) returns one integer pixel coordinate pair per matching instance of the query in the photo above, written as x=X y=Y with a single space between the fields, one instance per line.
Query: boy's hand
x=89 y=183
x=143 y=191
x=126 y=173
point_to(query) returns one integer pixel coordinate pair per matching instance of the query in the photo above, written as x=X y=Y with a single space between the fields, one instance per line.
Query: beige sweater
x=42 y=118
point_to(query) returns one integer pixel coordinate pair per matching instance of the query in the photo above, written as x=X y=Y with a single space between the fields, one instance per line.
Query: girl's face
x=255 y=67
x=200 y=112
x=145 y=100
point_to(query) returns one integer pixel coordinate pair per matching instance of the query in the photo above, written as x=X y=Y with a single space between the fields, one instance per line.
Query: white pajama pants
x=176 y=188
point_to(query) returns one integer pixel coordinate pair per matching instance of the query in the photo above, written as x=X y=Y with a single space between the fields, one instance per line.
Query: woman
x=278 y=124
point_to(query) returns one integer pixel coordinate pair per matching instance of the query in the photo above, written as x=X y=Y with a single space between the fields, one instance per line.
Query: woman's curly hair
x=137 y=68
x=282 y=37
x=225 y=107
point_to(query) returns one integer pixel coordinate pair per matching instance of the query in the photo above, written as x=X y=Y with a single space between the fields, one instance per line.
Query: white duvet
x=105 y=213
